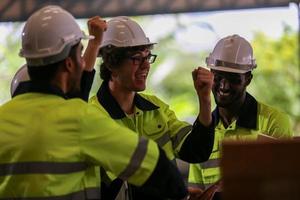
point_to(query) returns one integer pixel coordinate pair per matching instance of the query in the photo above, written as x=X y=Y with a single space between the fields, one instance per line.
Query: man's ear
x=69 y=64
x=112 y=72
x=248 y=79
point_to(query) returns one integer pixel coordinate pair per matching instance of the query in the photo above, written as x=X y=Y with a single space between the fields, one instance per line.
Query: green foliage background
x=9 y=59
x=276 y=80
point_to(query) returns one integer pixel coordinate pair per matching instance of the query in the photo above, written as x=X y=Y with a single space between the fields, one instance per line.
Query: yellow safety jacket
x=52 y=147
x=255 y=118
x=154 y=119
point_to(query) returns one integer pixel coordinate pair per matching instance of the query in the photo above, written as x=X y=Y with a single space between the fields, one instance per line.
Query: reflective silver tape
x=212 y=163
x=88 y=193
x=180 y=135
x=164 y=139
x=136 y=159
x=41 y=168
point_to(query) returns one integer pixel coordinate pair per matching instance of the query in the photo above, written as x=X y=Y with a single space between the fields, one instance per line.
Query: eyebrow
x=136 y=55
x=140 y=54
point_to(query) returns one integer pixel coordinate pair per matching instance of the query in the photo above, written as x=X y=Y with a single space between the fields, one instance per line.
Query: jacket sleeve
x=130 y=157
x=164 y=183
x=86 y=84
x=198 y=144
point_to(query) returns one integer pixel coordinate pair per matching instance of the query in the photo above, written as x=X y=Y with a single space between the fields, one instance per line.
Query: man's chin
x=223 y=103
x=140 y=89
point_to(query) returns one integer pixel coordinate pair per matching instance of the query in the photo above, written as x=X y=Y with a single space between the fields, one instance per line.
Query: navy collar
x=248 y=113
x=22 y=88
x=43 y=88
x=112 y=106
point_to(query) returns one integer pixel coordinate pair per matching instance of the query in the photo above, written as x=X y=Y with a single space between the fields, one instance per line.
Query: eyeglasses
x=232 y=78
x=139 y=60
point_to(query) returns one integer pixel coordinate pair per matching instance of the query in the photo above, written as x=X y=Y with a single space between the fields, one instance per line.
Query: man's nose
x=145 y=64
x=224 y=84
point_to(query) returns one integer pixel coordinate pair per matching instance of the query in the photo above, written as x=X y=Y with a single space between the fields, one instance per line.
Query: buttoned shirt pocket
x=155 y=128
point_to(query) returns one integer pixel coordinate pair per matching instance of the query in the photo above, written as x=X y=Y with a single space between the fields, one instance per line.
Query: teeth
x=223 y=93
x=141 y=76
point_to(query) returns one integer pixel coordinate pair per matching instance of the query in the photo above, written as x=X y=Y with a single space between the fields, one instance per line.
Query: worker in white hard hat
x=53 y=143
x=238 y=115
x=20 y=81
x=127 y=56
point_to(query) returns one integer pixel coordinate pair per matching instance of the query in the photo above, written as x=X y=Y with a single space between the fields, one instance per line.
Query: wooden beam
x=20 y=10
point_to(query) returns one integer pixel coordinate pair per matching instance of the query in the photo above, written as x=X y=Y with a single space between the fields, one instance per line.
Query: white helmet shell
x=20 y=76
x=235 y=51
x=48 y=36
x=124 y=32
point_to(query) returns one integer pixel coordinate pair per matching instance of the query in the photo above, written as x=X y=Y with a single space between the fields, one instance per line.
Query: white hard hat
x=124 y=32
x=20 y=76
x=232 y=54
x=48 y=36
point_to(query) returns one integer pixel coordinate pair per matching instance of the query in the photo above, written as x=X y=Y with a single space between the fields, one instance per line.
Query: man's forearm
x=205 y=111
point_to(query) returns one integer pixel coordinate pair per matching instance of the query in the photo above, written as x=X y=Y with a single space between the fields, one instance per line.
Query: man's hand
x=208 y=194
x=203 y=81
x=194 y=193
x=96 y=26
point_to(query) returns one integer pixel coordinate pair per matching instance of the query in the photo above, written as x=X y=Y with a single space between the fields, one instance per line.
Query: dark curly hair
x=113 y=57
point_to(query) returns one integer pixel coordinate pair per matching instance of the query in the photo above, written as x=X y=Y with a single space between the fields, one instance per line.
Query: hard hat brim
x=87 y=37
x=116 y=44
x=228 y=69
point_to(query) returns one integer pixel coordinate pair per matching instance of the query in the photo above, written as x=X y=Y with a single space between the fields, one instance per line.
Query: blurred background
x=185 y=39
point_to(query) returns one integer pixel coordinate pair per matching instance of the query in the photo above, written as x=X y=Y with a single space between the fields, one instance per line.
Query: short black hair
x=46 y=73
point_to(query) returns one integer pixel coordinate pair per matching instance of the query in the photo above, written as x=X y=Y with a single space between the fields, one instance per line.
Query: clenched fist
x=96 y=26
x=203 y=81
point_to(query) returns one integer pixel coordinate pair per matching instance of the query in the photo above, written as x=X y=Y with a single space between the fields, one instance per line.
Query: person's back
x=42 y=146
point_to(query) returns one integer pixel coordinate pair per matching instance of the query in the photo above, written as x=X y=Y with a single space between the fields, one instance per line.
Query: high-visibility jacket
x=52 y=147
x=154 y=119
x=255 y=118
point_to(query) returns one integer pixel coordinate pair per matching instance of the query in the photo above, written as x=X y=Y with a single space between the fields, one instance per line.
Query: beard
x=75 y=84
x=75 y=92
x=228 y=99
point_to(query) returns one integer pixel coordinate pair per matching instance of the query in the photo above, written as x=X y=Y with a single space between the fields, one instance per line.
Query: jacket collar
x=112 y=106
x=248 y=113
x=43 y=88
x=22 y=88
